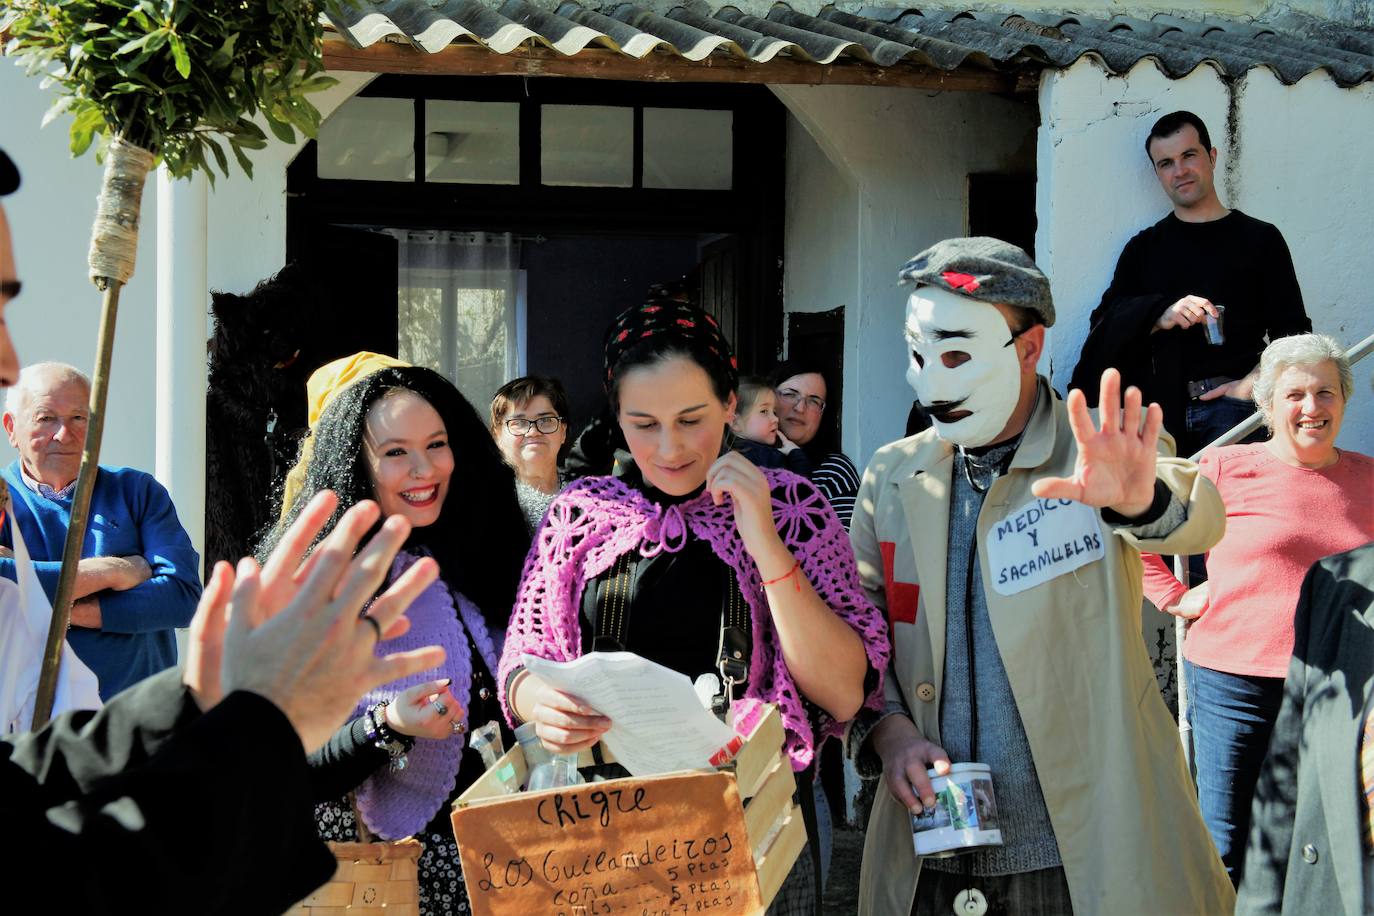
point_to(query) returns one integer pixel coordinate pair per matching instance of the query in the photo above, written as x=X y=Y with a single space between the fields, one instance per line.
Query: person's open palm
x=1115 y=467
x=304 y=646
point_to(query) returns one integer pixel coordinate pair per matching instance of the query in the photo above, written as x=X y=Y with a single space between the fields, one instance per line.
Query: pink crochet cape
x=598 y=519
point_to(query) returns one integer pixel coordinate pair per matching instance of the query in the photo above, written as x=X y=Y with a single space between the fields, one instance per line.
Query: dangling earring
x=727 y=442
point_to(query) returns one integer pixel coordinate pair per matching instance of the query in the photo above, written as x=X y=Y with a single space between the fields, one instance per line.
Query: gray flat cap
x=985 y=269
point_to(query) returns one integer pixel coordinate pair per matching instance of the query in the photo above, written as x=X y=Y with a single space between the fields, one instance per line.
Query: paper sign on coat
x=1040 y=541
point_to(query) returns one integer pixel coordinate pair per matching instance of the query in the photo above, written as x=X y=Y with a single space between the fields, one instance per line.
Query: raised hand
x=313 y=655
x=736 y=476
x=282 y=578
x=1115 y=468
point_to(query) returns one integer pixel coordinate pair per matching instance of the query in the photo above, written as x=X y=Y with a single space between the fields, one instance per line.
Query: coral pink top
x=1280 y=520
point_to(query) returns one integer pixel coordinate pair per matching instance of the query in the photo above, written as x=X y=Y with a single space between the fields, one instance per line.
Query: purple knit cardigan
x=598 y=519
x=398 y=803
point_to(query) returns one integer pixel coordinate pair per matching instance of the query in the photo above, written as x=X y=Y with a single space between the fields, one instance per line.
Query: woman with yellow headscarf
x=405 y=437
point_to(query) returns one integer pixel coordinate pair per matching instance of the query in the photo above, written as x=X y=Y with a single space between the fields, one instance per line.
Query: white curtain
x=461 y=308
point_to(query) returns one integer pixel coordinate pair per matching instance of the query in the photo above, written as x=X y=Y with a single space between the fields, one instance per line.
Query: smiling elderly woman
x=1238 y=646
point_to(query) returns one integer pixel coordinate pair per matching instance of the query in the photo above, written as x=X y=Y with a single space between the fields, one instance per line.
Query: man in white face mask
x=1004 y=545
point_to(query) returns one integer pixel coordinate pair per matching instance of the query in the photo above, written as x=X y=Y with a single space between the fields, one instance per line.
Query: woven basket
x=373 y=879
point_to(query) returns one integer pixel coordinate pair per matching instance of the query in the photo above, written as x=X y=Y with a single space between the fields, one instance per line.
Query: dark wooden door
x=720 y=281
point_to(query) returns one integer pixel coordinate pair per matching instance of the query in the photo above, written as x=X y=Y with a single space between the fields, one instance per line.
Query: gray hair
x=1303 y=350
x=31 y=377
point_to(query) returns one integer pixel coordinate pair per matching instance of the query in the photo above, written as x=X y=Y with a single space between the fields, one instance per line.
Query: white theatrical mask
x=963 y=365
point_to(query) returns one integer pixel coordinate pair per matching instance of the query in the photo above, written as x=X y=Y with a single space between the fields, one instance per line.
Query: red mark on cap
x=967 y=282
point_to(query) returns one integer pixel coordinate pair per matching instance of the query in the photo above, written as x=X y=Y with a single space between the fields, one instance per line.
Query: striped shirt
x=836 y=477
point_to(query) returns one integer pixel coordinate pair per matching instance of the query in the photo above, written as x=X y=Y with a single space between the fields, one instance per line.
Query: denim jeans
x=1232 y=716
x=1206 y=420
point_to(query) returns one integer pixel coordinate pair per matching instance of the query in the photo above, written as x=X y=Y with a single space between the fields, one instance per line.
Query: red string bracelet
x=787 y=575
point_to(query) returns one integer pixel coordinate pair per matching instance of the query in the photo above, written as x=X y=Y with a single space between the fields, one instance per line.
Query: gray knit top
x=1027 y=835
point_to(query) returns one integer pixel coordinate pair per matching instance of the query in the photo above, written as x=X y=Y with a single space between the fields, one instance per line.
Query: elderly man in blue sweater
x=139 y=576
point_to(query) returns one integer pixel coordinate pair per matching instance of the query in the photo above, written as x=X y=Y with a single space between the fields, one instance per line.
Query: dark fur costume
x=255 y=407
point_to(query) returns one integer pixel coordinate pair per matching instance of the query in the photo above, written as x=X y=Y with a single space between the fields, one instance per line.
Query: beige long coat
x=1105 y=747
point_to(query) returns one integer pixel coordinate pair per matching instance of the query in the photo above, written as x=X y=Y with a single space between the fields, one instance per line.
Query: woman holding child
x=405 y=437
x=692 y=550
x=802 y=392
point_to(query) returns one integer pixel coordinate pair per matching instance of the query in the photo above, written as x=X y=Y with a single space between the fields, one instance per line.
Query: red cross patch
x=902 y=597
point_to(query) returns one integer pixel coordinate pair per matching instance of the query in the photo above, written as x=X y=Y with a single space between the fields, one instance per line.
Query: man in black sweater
x=1199 y=264
x=190 y=792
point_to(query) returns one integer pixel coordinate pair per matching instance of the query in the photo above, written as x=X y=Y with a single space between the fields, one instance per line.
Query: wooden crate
x=661 y=844
x=372 y=879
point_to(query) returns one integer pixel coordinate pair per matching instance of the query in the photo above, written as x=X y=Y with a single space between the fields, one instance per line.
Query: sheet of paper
x=657 y=723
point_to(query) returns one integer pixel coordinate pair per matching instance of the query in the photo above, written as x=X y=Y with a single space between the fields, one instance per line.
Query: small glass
x=1213 y=325
x=547 y=770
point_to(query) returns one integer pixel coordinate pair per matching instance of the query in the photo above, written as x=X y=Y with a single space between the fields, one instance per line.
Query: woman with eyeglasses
x=529 y=420
x=801 y=387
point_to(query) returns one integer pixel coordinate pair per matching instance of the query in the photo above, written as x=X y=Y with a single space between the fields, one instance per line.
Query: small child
x=756 y=425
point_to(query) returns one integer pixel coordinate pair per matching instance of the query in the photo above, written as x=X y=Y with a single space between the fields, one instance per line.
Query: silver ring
x=458 y=726
x=440 y=708
x=377 y=627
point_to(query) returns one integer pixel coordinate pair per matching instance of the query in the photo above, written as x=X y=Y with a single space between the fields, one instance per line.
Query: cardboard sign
x=1040 y=541
x=660 y=846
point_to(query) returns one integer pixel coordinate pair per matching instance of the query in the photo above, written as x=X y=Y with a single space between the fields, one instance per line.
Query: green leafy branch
x=183 y=79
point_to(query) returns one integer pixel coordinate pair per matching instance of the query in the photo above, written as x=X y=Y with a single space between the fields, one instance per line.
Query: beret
x=985 y=269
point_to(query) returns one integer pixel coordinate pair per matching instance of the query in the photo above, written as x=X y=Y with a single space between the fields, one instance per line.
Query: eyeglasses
x=9 y=289
x=521 y=426
x=792 y=397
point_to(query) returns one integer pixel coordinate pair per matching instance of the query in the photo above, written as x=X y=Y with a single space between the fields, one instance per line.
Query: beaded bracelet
x=384 y=738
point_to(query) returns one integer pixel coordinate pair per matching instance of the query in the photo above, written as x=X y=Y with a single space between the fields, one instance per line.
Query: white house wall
x=248 y=218
x=1296 y=156
x=873 y=176
x=57 y=316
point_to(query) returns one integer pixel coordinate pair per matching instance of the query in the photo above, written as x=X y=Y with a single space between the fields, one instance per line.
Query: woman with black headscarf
x=691 y=552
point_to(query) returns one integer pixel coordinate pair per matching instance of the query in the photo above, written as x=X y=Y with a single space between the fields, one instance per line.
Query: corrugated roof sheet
x=882 y=36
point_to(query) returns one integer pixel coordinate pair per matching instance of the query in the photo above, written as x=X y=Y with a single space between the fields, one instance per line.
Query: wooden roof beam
x=660 y=67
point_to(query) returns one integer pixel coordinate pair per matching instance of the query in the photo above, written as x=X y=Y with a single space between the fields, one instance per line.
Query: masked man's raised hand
x=1115 y=468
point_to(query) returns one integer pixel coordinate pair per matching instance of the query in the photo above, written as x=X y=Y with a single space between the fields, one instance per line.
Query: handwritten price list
x=648 y=847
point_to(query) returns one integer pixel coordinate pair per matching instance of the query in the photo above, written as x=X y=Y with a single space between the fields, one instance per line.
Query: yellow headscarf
x=324 y=385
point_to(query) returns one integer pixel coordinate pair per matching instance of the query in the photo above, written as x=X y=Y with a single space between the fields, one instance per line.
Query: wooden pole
x=81 y=504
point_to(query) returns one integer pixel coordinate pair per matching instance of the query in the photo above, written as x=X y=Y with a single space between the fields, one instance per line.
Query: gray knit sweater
x=1027 y=836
